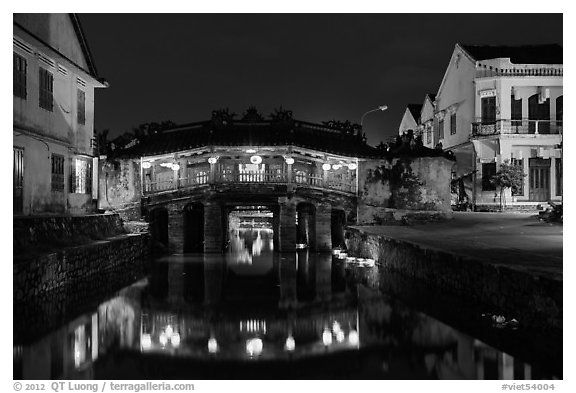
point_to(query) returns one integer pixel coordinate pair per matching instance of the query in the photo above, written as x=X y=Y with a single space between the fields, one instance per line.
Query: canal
x=252 y=313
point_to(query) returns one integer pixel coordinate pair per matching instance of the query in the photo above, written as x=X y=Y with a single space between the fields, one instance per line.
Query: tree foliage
x=508 y=176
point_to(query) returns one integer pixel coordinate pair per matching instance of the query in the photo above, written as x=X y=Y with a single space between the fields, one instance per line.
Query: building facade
x=503 y=105
x=411 y=119
x=53 y=112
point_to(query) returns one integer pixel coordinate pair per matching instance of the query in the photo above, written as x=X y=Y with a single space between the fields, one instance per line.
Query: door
x=18 y=180
x=539 y=178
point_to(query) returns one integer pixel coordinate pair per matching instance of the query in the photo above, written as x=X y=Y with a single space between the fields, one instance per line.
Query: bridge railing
x=266 y=177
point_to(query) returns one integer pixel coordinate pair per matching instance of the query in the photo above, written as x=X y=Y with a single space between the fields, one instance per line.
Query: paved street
x=517 y=240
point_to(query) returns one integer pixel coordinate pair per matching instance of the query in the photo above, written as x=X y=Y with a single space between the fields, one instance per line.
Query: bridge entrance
x=194 y=228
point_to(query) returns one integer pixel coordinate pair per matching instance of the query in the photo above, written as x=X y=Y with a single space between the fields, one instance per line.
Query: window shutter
x=72 y=175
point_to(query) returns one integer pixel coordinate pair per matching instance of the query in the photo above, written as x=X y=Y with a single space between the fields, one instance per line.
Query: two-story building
x=500 y=104
x=53 y=111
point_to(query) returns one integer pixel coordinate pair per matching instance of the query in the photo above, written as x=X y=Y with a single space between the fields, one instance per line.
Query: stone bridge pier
x=202 y=225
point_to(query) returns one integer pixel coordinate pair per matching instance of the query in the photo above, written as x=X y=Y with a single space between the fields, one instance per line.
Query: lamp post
x=380 y=108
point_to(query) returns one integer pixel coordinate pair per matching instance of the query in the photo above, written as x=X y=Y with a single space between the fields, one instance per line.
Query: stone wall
x=403 y=183
x=534 y=301
x=55 y=231
x=71 y=271
x=119 y=184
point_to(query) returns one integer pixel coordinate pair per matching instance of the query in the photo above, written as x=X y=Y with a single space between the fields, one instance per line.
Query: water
x=255 y=314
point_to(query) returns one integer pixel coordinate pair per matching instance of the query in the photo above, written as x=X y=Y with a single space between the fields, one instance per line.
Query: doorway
x=539 y=176
x=194 y=228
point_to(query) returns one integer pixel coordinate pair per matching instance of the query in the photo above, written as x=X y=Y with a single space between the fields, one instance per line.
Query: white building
x=411 y=119
x=499 y=104
x=53 y=109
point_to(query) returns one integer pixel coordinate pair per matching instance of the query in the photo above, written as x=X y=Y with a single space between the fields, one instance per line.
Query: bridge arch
x=159 y=228
x=193 y=228
x=337 y=225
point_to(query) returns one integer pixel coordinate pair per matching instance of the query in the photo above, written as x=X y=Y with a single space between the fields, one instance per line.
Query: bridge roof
x=243 y=133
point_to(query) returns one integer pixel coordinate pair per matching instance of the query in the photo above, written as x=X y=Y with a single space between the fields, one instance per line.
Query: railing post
x=536 y=128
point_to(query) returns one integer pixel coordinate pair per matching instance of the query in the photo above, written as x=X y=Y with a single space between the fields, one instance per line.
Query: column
x=287 y=214
x=213 y=235
x=323 y=227
x=175 y=228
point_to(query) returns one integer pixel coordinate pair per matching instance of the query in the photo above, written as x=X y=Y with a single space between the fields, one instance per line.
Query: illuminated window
x=81 y=107
x=19 y=76
x=46 y=90
x=57 y=173
x=81 y=177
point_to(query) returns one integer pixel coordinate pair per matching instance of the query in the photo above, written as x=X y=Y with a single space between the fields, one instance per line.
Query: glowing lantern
x=212 y=160
x=327 y=337
x=290 y=343
x=326 y=167
x=254 y=346
x=256 y=160
x=352 y=166
x=336 y=166
x=146 y=341
x=175 y=339
x=146 y=165
x=289 y=160
x=212 y=345
x=353 y=337
x=175 y=166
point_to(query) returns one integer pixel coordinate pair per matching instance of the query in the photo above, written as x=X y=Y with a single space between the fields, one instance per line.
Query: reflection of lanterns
x=146 y=165
x=169 y=330
x=212 y=160
x=175 y=166
x=352 y=166
x=212 y=345
x=340 y=336
x=175 y=339
x=254 y=346
x=353 y=337
x=326 y=167
x=146 y=341
x=163 y=339
x=289 y=160
x=327 y=337
x=290 y=343
x=256 y=160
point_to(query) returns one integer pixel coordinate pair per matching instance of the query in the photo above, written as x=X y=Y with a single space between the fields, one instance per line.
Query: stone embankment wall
x=534 y=301
x=390 y=190
x=90 y=252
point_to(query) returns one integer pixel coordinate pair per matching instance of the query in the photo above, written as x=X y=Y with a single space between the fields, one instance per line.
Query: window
x=46 y=89
x=81 y=176
x=520 y=190
x=559 y=110
x=441 y=129
x=488 y=110
x=558 y=176
x=428 y=134
x=488 y=170
x=516 y=112
x=81 y=107
x=57 y=173
x=453 y=124
x=19 y=76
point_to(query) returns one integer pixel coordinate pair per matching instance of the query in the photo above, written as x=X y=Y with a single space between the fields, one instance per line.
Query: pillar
x=287 y=213
x=323 y=227
x=175 y=228
x=213 y=229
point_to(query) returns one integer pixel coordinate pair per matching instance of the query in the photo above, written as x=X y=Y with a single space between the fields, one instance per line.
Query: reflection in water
x=201 y=308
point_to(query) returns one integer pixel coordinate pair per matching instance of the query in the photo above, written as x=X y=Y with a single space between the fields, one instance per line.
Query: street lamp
x=380 y=108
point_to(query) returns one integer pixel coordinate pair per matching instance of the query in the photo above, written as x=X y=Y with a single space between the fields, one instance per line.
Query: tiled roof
x=527 y=54
x=415 y=109
x=239 y=133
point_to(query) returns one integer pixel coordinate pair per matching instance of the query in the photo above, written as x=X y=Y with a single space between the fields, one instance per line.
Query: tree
x=508 y=176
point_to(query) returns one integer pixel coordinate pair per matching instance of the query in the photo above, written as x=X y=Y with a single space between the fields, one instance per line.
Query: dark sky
x=180 y=67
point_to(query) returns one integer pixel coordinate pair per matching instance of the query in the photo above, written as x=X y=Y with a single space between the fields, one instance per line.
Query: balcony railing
x=263 y=177
x=526 y=127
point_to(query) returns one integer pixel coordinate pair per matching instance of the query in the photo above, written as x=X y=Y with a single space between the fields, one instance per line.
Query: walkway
x=517 y=240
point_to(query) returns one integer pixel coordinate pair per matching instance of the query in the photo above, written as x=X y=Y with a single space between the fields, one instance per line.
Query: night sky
x=180 y=67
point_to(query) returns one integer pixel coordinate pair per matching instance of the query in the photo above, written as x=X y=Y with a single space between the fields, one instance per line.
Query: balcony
x=332 y=181
x=519 y=127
